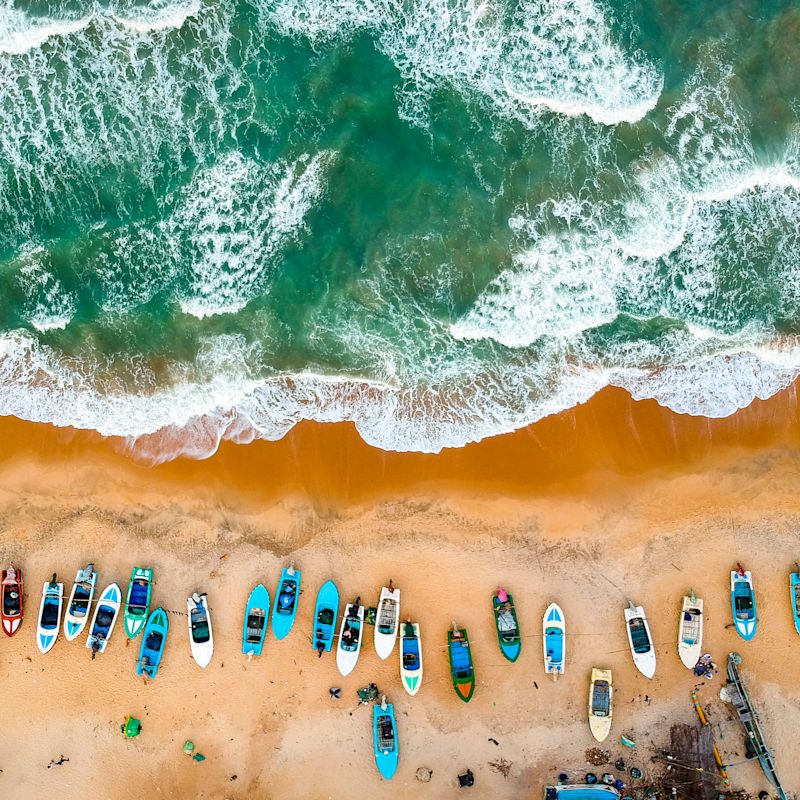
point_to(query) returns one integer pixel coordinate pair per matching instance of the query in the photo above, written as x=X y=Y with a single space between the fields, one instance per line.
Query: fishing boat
x=350 y=636
x=104 y=619
x=794 y=589
x=49 y=614
x=153 y=641
x=601 y=695
x=285 y=609
x=690 y=631
x=461 y=668
x=387 y=621
x=79 y=603
x=411 y=657
x=554 y=641
x=743 y=603
x=11 y=600
x=255 y=621
x=325 y=612
x=581 y=791
x=640 y=640
x=137 y=605
x=201 y=634
x=384 y=730
x=505 y=620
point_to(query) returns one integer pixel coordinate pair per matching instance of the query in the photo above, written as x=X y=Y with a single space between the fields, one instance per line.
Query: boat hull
x=202 y=651
x=554 y=640
x=387 y=758
x=257 y=602
x=602 y=682
x=52 y=604
x=11 y=608
x=327 y=606
x=635 y=620
x=462 y=670
x=154 y=640
x=389 y=612
x=743 y=594
x=75 y=623
x=353 y=620
x=690 y=631
x=411 y=646
x=283 y=614
x=794 y=588
x=137 y=602
x=109 y=602
x=509 y=649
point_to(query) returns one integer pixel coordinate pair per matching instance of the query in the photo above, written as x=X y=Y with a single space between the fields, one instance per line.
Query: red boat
x=11 y=600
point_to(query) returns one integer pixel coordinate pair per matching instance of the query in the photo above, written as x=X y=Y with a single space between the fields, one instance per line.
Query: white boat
x=640 y=640
x=554 y=640
x=411 y=657
x=387 y=621
x=601 y=710
x=201 y=636
x=80 y=602
x=104 y=618
x=350 y=636
x=50 y=615
x=690 y=631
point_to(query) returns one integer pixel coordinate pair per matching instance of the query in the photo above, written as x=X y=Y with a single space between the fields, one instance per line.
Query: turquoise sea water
x=441 y=219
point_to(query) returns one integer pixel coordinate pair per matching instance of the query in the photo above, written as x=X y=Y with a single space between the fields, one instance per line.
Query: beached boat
x=387 y=621
x=137 y=605
x=154 y=639
x=256 y=615
x=743 y=603
x=581 y=791
x=384 y=731
x=794 y=589
x=640 y=640
x=79 y=604
x=505 y=620
x=411 y=657
x=201 y=634
x=601 y=695
x=462 y=670
x=49 y=614
x=105 y=618
x=350 y=637
x=690 y=631
x=554 y=641
x=11 y=600
x=285 y=609
x=325 y=613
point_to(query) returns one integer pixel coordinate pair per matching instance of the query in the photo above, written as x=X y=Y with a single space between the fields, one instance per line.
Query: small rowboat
x=581 y=791
x=350 y=636
x=387 y=621
x=411 y=657
x=201 y=634
x=153 y=642
x=50 y=615
x=325 y=613
x=743 y=603
x=600 y=703
x=690 y=631
x=640 y=640
x=137 y=605
x=255 y=621
x=285 y=609
x=11 y=600
x=79 y=603
x=554 y=638
x=794 y=589
x=104 y=619
x=505 y=620
x=384 y=729
x=462 y=671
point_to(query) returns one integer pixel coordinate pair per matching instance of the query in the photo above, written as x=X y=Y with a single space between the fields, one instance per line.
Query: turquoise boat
x=505 y=620
x=743 y=603
x=137 y=605
x=153 y=641
x=285 y=609
x=256 y=615
x=384 y=731
x=794 y=587
x=325 y=617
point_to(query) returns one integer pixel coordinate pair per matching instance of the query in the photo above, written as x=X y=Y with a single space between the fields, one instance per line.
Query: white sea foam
x=20 y=32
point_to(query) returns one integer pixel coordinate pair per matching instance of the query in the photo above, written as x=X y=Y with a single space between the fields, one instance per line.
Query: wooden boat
x=201 y=634
x=794 y=589
x=743 y=603
x=137 y=604
x=505 y=620
x=153 y=641
x=104 y=618
x=285 y=609
x=640 y=640
x=49 y=614
x=11 y=610
x=411 y=657
x=461 y=668
x=351 y=634
x=387 y=621
x=690 y=631
x=325 y=613
x=255 y=621
x=384 y=734
x=79 y=603
x=554 y=641
x=601 y=695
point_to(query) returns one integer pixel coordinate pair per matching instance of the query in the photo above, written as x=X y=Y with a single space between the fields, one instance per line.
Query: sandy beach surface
x=614 y=501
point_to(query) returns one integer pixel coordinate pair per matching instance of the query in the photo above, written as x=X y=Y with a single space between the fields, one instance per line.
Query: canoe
x=384 y=734
x=505 y=620
x=201 y=634
x=285 y=609
x=325 y=613
x=11 y=600
x=743 y=603
x=79 y=604
x=554 y=640
x=462 y=671
x=105 y=618
x=153 y=641
x=690 y=631
x=137 y=604
x=581 y=791
x=387 y=621
x=794 y=588
x=49 y=614
x=640 y=640
x=411 y=657
x=256 y=615
x=350 y=637
x=601 y=695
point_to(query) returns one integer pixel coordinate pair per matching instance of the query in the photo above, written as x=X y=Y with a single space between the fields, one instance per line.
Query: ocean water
x=439 y=219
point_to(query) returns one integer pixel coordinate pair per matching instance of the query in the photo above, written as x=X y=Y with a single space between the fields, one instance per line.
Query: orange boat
x=11 y=600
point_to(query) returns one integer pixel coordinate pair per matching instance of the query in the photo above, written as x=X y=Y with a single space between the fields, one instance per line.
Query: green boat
x=137 y=605
x=505 y=620
x=461 y=669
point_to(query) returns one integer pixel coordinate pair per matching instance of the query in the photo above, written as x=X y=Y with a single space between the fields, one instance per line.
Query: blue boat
x=153 y=641
x=50 y=614
x=325 y=617
x=743 y=603
x=553 y=629
x=384 y=730
x=583 y=791
x=285 y=609
x=255 y=621
x=794 y=586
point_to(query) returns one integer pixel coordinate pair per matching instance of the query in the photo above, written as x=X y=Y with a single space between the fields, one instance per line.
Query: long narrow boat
x=581 y=791
x=11 y=610
x=462 y=670
x=351 y=635
x=105 y=618
x=690 y=631
x=387 y=621
x=505 y=620
x=325 y=613
x=640 y=640
x=794 y=594
x=384 y=734
x=554 y=640
x=601 y=696
x=80 y=601
x=411 y=657
x=137 y=604
x=256 y=615
x=285 y=609
x=743 y=603
x=154 y=639
x=201 y=634
x=50 y=614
